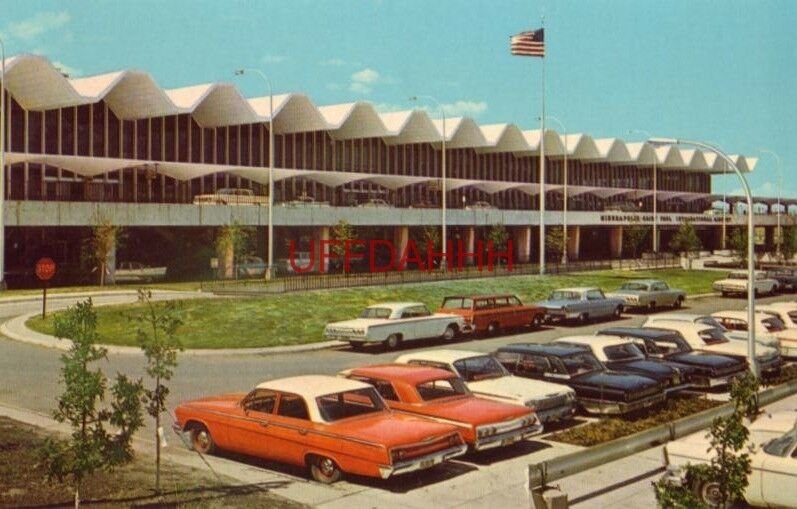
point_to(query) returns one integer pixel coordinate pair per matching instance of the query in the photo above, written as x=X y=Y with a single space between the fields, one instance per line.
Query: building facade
x=118 y=147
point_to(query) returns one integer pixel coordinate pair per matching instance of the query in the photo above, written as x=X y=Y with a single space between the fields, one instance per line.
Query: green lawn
x=298 y=318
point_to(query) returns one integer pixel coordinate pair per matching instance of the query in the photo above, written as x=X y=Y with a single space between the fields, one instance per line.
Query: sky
x=721 y=71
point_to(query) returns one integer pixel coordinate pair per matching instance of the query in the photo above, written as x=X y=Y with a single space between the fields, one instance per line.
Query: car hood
x=707 y=360
x=646 y=365
x=220 y=402
x=615 y=380
x=391 y=429
x=517 y=389
x=739 y=348
x=732 y=282
x=471 y=410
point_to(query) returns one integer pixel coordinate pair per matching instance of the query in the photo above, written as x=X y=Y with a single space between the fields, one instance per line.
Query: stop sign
x=45 y=269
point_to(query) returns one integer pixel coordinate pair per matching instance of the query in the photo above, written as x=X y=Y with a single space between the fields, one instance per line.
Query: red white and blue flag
x=529 y=44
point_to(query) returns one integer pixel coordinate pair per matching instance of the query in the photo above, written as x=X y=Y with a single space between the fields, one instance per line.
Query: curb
x=99 y=293
x=703 y=295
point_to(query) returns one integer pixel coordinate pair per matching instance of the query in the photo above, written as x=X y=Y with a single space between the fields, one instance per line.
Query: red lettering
x=372 y=265
x=325 y=253
x=492 y=255
x=349 y=253
x=462 y=254
x=411 y=254
x=292 y=258
x=431 y=255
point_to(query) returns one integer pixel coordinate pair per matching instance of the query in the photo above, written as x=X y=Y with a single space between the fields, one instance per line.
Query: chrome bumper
x=507 y=438
x=595 y=406
x=422 y=462
x=559 y=413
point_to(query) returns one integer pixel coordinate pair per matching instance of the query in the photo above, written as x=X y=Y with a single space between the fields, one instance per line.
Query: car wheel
x=709 y=493
x=583 y=318
x=678 y=303
x=392 y=342
x=537 y=322
x=651 y=307
x=756 y=293
x=493 y=328
x=356 y=345
x=451 y=332
x=618 y=312
x=324 y=470
x=201 y=440
x=724 y=294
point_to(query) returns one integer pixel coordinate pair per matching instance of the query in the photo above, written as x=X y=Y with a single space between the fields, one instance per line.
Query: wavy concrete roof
x=38 y=85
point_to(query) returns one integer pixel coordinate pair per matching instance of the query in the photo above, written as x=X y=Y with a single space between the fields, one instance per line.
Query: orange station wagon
x=328 y=424
x=490 y=314
x=441 y=395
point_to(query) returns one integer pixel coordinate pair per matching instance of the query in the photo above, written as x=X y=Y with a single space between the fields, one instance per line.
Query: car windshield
x=624 y=352
x=737 y=275
x=783 y=445
x=443 y=388
x=457 y=303
x=773 y=324
x=638 y=287
x=342 y=405
x=710 y=320
x=667 y=345
x=563 y=295
x=479 y=368
x=375 y=313
x=713 y=336
x=581 y=363
x=793 y=315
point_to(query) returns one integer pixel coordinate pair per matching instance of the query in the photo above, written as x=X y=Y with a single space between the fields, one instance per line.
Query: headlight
x=397 y=455
x=485 y=431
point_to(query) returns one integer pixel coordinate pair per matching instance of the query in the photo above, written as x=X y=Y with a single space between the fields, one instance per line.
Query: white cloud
x=38 y=24
x=273 y=59
x=66 y=69
x=362 y=81
x=465 y=108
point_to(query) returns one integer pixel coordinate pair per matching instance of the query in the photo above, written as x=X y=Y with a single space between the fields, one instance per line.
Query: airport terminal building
x=119 y=147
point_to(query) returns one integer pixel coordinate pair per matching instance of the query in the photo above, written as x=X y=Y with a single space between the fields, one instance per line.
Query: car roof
x=738 y=314
x=778 y=305
x=442 y=355
x=644 y=281
x=408 y=373
x=396 y=305
x=678 y=325
x=690 y=317
x=480 y=296
x=559 y=350
x=597 y=341
x=313 y=386
x=577 y=289
x=638 y=332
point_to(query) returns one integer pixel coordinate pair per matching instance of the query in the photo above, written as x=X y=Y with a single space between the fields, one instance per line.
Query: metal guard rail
x=573 y=463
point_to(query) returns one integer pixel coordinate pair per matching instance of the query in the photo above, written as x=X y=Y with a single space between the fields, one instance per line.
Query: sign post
x=45 y=270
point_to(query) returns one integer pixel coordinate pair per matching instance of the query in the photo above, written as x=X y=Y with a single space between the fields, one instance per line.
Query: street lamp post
x=779 y=236
x=2 y=166
x=564 y=206
x=750 y=240
x=443 y=183
x=655 y=193
x=270 y=263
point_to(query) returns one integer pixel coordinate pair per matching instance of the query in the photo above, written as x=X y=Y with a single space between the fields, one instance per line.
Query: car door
x=778 y=479
x=290 y=429
x=250 y=433
x=598 y=306
x=661 y=294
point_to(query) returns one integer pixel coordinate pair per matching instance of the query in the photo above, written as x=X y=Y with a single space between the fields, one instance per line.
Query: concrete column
x=470 y=244
x=322 y=257
x=573 y=242
x=616 y=241
x=522 y=240
x=227 y=263
x=401 y=237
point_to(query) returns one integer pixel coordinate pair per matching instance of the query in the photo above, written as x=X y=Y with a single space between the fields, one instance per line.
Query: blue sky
x=720 y=71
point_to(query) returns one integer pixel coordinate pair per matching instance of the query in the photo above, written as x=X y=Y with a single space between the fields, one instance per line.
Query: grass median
x=299 y=318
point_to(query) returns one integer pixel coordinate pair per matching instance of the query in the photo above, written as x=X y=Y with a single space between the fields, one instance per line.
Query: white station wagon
x=392 y=323
x=766 y=325
x=487 y=378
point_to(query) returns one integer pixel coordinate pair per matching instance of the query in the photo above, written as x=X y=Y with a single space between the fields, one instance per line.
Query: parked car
x=682 y=317
x=766 y=326
x=304 y=200
x=479 y=205
x=773 y=462
x=251 y=266
x=231 y=196
x=375 y=202
x=328 y=424
x=648 y=294
x=598 y=390
x=487 y=378
x=621 y=354
x=441 y=395
x=710 y=370
x=784 y=311
x=392 y=323
x=713 y=340
x=128 y=272
x=490 y=314
x=786 y=278
x=736 y=284
x=581 y=304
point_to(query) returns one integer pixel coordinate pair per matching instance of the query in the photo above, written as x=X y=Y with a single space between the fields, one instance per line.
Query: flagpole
x=542 y=167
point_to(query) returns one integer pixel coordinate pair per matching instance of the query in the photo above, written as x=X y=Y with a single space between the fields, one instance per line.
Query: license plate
x=427 y=463
x=509 y=441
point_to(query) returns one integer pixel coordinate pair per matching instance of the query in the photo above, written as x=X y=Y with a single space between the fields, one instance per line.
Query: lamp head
x=239 y=72
x=660 y=142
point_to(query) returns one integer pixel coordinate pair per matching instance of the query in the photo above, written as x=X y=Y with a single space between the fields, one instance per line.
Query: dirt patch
x=23 y=481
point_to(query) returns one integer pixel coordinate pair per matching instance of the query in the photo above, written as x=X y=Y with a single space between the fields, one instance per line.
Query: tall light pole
x=444 y=261
x=2 y=167
x=564 y=206
x=270 y=263
x=750 y=240
x=779 y=235
x=655 y=192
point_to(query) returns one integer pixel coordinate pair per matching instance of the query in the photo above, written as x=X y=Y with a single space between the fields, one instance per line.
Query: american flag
x=529 y=44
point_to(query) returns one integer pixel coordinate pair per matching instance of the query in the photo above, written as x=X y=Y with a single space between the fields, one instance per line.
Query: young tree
x=685 y=241
x=499 y=236
x=633 y=238
x=232 y=242
x=155 y=330
x=102 y=245
x=91 y=446
x=344 y=233
x=554 y=242
x=789 y=245
x=738 y=244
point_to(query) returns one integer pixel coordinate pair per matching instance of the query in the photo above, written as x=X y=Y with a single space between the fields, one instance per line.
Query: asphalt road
x=29 y=379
